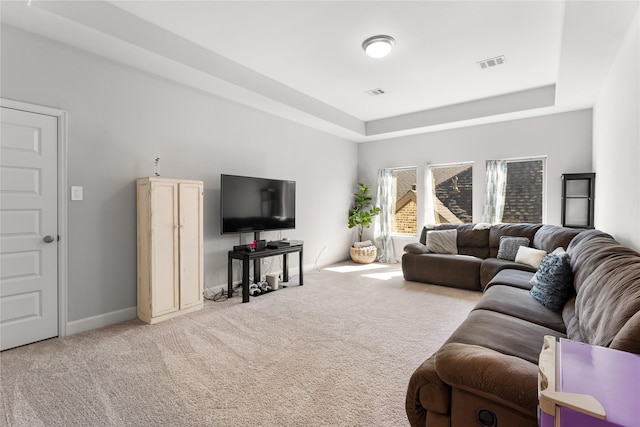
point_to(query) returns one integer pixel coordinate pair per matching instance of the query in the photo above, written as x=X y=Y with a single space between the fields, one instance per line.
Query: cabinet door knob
x=48 y=239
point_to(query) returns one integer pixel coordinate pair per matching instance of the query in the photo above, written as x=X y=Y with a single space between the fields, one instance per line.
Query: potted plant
x=360 y=216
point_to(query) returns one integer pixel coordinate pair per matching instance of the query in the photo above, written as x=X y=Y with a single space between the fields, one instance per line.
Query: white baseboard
x=111 y=318
x=101 y=320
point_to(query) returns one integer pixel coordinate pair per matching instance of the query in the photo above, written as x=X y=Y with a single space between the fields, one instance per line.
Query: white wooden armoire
x=170 y=272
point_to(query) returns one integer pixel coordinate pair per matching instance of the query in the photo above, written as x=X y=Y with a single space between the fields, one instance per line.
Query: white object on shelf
x=273 y=281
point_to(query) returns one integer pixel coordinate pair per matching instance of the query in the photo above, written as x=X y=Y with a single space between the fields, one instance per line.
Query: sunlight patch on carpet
x=355 y=268
x=387 y=275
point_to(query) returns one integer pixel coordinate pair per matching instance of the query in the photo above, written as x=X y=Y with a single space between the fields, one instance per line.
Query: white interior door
x=28 y=228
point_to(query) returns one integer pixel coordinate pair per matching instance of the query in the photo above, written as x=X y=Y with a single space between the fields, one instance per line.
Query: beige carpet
x=337 y=351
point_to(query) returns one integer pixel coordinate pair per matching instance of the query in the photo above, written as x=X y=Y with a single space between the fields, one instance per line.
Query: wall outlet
x=77 y=193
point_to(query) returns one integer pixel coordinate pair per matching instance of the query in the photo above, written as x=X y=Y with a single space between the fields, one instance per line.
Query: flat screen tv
x=250 y=204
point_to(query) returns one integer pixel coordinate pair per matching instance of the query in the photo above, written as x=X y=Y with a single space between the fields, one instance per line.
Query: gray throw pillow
x=509 y=247
x=553 y=282
x=442 y=241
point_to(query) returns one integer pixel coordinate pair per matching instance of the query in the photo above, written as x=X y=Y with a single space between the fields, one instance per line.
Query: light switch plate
x=76 y=193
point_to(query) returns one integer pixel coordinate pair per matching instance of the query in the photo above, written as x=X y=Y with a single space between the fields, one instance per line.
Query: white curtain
x=429 y=197
x=496 y=191
x=382 y=228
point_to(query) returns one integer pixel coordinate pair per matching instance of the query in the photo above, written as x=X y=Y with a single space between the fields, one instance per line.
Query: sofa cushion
x=442 y=241
x=519 y=303
x=512 y=277
x=553 y=282
x=509 y=247
x=491 y=266
x=472 y=241
x=586 y=251
x=503 y=333
x=550 y=237
x=530 y=256
x=571 y=321
x=459 y=271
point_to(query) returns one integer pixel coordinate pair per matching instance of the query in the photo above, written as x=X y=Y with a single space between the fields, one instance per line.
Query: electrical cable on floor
x=221 y=295
x=269 y=264
x=315 y=264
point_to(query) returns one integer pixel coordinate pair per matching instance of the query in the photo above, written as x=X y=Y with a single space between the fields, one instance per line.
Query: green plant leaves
x=362 y=213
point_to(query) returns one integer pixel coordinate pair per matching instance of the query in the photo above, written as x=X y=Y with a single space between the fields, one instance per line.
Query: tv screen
x=250 y=204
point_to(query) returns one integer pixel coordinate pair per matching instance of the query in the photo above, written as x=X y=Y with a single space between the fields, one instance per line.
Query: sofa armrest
x=415 y=248
x=494 y=376
x=426 y=393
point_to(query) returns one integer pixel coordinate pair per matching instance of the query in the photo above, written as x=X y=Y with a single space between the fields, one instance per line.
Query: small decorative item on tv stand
x=360 y=216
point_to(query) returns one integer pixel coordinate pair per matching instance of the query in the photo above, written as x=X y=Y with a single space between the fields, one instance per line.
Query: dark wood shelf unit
x=578 y=198
x=246 y=257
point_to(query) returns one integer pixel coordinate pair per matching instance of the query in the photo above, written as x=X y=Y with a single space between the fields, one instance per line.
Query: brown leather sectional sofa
x=486 y=372
x=476 y=263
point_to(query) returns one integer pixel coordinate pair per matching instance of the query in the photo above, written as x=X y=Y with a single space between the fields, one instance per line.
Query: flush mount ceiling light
x=378 y=46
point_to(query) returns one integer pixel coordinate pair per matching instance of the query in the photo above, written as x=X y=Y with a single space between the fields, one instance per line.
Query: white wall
x=616 y=144
x=120 y=117
x=564 y=138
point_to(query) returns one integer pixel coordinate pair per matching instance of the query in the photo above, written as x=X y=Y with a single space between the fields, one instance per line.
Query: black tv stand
x=256 y=256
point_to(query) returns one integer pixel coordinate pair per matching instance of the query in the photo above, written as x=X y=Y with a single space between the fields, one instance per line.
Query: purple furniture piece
x=582 y=385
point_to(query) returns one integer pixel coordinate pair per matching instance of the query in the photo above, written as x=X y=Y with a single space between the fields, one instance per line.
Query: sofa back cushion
x=607 y=278
x=571 y=321
x=586 y=251
x=473 y=242
x=470 y=242
x=551 y=237
x=514 y=230
x=627 y=338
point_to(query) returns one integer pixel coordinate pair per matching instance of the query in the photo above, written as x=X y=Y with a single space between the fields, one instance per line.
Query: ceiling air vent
x=375 y=92
x=492 y=62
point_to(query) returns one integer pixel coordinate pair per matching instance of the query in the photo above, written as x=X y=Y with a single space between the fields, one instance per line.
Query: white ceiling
x=315 y=47
x=303 y=60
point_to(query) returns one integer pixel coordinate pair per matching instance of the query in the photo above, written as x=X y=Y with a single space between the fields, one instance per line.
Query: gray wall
x=564 y=138
x=616 y=144
x=120 y=117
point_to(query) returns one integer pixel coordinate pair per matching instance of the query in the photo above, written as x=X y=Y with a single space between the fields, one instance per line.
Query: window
x=452 y=187
x=404 y=217
x=524 y=193
x=514 y=191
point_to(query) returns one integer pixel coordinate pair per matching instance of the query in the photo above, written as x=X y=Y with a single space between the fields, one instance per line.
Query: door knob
x=48 y=239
